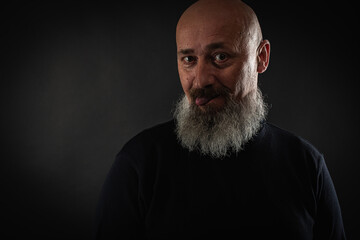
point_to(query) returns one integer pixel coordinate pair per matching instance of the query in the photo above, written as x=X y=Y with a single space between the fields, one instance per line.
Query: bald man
x=218 y=169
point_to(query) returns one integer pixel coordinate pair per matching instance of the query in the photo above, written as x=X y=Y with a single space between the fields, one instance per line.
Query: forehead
x=198 y=35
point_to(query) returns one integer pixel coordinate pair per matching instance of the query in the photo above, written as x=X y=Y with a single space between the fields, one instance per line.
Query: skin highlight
x=220 y=49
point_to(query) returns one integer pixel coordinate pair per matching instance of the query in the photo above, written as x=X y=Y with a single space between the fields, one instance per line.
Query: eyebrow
x=186 y=51
x=214 y=46
x=211 y=46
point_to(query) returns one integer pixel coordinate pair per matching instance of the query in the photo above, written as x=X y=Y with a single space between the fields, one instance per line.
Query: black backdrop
x=79 y=79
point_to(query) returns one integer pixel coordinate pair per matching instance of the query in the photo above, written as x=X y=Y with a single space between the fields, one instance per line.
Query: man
x=218 y=169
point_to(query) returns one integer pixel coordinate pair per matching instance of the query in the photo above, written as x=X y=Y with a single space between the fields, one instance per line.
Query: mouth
x=201 y=101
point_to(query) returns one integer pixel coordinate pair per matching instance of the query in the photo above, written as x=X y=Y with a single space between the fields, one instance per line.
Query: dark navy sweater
x=278 y=187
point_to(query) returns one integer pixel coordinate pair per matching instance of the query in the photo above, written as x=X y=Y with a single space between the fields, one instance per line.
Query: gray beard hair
x=221 y=133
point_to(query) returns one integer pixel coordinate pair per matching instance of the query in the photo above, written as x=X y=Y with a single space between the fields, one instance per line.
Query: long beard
x=221 y=132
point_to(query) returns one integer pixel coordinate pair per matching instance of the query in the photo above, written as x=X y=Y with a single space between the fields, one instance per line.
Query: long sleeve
x=328 y=224
x=118 y=212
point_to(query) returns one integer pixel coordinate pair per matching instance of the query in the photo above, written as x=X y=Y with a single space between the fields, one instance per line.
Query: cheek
x=247 y=80
x=240 y=80
x=185 y=81
x=231 y=79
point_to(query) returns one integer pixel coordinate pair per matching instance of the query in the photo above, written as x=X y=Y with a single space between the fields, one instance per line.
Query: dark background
x=79 y=79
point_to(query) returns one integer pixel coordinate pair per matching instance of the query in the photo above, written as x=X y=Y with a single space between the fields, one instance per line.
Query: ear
x=263 y=56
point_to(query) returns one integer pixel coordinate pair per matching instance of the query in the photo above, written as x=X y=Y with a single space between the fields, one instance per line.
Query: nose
x=204 y=75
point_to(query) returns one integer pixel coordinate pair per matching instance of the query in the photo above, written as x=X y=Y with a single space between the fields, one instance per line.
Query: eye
x=220 y=57
x=189 y=59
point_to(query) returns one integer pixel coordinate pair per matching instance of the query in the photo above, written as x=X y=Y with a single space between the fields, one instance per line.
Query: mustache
x=209 y=92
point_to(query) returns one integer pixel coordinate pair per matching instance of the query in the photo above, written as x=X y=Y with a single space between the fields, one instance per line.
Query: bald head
x=222 y=13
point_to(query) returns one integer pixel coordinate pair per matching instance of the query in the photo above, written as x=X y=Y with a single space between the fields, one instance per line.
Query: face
x=219 y=58
x=214 y=58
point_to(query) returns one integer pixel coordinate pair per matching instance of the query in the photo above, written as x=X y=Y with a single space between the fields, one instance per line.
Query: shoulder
x=155 y=135
x=159 y=131
x=284 y=138
x=290 y=146
x=150 y=141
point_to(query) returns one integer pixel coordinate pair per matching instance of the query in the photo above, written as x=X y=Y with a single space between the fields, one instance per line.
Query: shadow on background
x=80 y=79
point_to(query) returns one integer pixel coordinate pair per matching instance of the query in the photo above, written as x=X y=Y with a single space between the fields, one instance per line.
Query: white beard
x=221 y=133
